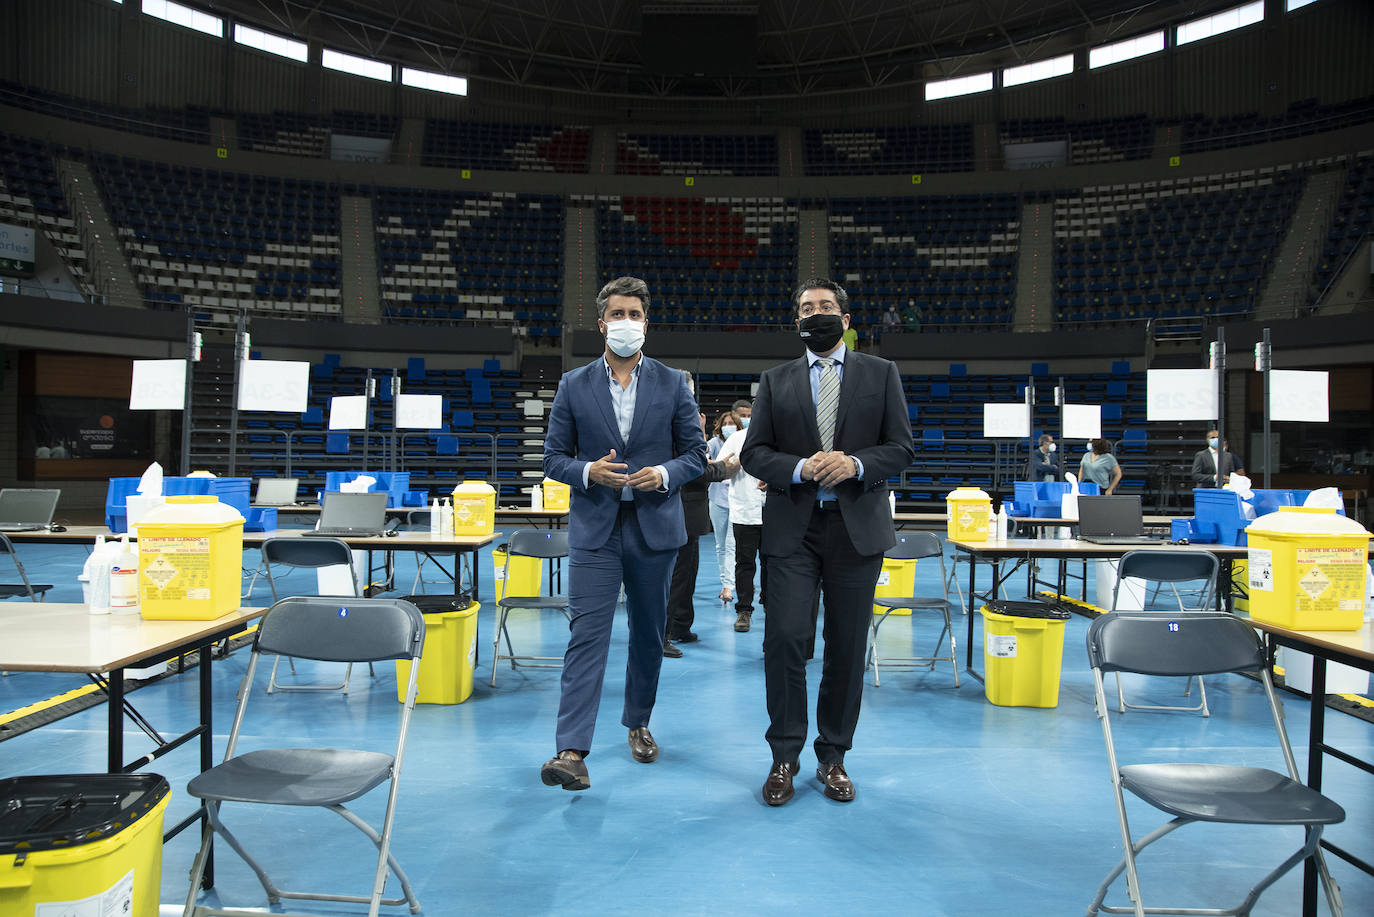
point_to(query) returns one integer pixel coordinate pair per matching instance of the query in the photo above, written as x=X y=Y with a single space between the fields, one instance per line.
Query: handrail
x=1336 y=274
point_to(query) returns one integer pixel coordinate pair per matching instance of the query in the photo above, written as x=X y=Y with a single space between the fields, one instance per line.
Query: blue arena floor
x=963 y=808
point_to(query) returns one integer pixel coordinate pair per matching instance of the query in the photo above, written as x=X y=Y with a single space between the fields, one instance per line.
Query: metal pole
x=1263 y=363
x=1030 y=424
x=1060 y=396
x=192 y=357
x=1219 y=367
x=369 y=392
x=395 y=397
x=242 y=347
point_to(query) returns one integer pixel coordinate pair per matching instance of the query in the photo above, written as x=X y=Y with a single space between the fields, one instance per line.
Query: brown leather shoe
x=838 y=786
x=670 y=650
x=642 y=745
x=742 y=622
x=567 y=770
x=777 y=789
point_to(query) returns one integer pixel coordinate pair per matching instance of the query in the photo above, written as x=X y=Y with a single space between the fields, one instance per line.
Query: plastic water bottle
x=892 y=503
x=123 y=578
x=436 y=523
x=446 y=517
x=97 y=573
x=1003 y=521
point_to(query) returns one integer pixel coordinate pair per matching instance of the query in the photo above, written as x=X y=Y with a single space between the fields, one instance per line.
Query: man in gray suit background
x=828 y=430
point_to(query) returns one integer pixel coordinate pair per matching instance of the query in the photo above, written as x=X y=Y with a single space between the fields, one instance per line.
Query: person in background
x=744 y=410
x=746 y=521
x=718 y=492
x=624 y=433
x=830 y=429
x=1042 y=467
x=851 y=338
x=697 y=517
x=892 y=322
x=1100 y=467
x=1205 y=463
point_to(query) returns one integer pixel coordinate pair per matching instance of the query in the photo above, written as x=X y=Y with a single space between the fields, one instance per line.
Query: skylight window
x=1039 y=70
x=959 y=86
x=180 y=15
x=438 y=82
x=1226 y=21
x=271 y=43
x=358 y=66
x=1120 y=51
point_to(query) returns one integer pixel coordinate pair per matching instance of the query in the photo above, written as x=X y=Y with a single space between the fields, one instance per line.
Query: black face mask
x=820 y=332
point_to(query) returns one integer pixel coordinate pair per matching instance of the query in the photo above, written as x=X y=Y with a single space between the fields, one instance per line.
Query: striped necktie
x=827 y=400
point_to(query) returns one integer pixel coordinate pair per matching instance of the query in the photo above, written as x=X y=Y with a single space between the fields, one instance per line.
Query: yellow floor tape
x=42 y=705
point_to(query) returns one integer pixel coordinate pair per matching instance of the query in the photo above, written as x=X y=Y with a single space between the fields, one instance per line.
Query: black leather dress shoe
x=838 y=786
x=685 y=637
x=671 y=651
x=567 y=770
x=777 y=789
x=642 y=745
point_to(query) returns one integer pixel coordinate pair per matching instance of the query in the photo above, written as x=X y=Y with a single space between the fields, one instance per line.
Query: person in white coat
x=747 y=497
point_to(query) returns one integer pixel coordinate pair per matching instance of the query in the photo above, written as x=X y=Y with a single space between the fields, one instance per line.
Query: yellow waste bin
x=450 y=652
x=526 y=573
x=1307 y=569
x=1023 y=649
x=557 y=496
x=474 y=508
x=967 y=512
x=82 y=844
x=897 y=580
x=190 y=559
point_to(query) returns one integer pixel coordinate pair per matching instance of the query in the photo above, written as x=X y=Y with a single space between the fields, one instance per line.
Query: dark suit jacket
x=1205 y=470
x=665 y=431
x=696 y=508
x=871 y=425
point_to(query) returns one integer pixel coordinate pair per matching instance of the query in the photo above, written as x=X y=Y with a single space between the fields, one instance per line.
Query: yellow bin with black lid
x=1306 y=569
x=82 y=844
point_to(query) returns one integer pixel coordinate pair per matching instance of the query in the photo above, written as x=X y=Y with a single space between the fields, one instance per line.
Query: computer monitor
x=276 y=491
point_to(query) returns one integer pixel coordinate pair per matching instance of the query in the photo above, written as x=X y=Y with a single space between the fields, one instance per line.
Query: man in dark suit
x=1205 y=463
x=829 y=429
x=623 y=433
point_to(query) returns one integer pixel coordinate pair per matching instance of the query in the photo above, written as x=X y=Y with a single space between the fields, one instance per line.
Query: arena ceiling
x=797 y=47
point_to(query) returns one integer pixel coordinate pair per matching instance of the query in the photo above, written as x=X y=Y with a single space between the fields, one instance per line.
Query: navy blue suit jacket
x=665 y=431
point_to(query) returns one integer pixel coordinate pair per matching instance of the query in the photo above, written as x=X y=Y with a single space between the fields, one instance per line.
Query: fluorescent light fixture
x=358 y=66
x=180 y=15
x=1226 y=21
x=1125 y=50
x=959 y=86
x=271 y=43
x=438 y=82
x=1040 y=70
x=1292 y=5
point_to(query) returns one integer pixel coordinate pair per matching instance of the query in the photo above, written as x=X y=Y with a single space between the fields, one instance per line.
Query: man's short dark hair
x=1046 y=438
x=623 y=286
x=821 y=283
x=742 y=403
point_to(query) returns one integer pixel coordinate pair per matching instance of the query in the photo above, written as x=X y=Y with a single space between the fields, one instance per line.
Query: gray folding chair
x=34 y=592
x=1197 y=572
x=544 y=545
x=914 y=546
x=1206 y=643
x=340 y=630
x=307 y=553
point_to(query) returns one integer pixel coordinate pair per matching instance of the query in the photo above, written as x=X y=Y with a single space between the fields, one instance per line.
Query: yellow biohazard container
x=1307 y=569
x=1023 y=651
x=526 y=573
x=557 y=496
x=82 y=844
x=896 y=580
x=449 y=656
x=474 y=508
x=190 y=559
x=967 y=512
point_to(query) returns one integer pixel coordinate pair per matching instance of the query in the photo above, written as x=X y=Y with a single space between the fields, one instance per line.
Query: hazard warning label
x=1330 y=579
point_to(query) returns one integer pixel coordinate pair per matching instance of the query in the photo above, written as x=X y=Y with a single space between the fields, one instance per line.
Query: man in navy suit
x=828 y=430
x=624 y=434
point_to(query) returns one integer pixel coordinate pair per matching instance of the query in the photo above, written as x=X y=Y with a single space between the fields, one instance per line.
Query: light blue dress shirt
x=623 y=406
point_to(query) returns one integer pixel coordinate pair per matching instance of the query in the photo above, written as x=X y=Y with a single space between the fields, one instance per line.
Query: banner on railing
x=16 y=250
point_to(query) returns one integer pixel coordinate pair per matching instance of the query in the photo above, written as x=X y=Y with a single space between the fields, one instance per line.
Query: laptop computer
x=1112 y=520
x=276 y=491
x=351 y=515
x=27 y=509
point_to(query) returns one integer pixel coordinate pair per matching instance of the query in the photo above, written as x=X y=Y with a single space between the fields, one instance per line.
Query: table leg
x=972 y=611
x=1316 y=737
x=114 y=690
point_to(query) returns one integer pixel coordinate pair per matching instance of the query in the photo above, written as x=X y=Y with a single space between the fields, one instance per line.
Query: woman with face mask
x=726 y=425
x=1100 y=467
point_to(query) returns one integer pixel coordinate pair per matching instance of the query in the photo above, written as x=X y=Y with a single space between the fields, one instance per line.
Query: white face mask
x=744 y=422
x=625 y=336
x=728 y=430
x=1052 y=447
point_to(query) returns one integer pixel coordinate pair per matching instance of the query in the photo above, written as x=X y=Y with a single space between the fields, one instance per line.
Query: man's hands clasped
x=607 y=471
x=829 y=468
